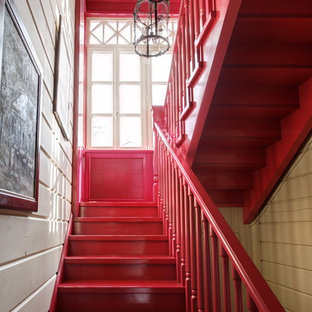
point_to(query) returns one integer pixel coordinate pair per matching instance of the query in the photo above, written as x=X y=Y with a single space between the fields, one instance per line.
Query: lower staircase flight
x=177 y=254
x=118 y=260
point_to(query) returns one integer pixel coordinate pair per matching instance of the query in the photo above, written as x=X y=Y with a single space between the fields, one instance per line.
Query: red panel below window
x=119 y=175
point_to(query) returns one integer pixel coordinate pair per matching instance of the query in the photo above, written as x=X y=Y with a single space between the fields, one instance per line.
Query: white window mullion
x=148 y=106
x=116 y=100
x=88 y=110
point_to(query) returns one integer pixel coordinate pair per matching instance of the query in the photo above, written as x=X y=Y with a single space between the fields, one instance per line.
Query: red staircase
x=117 y=259
x=259 y=114
x=178 y=255
x=182 y=255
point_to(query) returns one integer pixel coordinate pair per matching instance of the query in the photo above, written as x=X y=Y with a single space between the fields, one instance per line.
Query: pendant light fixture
x=151 y=19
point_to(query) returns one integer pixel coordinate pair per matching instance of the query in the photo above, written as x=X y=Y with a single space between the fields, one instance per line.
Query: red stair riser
x=117 y=228
x=124 y=271
x=121 y=302
x=132 y=204
x=118 y=248
x=118 y=211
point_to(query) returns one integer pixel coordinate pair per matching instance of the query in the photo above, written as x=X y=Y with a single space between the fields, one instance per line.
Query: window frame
x=145 y=86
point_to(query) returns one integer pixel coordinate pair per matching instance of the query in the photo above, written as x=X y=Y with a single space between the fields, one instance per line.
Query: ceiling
x=123 y=7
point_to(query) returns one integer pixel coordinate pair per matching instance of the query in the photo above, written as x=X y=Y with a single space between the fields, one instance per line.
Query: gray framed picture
x=20 y=101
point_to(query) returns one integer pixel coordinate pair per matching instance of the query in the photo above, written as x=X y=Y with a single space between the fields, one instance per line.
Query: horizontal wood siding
x=40 y=298
x=31 y=243
x=285 y=227
x=247 y=234
x=22 y=277
x=280 y=239
x=27 y=236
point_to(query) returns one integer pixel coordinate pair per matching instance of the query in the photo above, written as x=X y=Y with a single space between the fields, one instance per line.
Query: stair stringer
x=294 y=130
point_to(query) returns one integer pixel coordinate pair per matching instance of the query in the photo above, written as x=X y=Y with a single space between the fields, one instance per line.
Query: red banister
x=195 y=20
x=193 y=253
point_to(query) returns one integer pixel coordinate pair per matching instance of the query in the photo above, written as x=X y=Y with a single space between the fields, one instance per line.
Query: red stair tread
x=117 y=226
x=99 y=268
x=117 y=219
x=119 y=237
x=117 y=204
x=118 y=211
x=142 y=286
x=119 y=245
x=120 y=260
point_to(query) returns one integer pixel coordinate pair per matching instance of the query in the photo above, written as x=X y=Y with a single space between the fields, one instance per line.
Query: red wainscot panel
x=119 y=175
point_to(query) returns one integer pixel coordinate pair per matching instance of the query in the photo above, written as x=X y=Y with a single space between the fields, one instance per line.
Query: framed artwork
x=20 y=101
x=62 y=83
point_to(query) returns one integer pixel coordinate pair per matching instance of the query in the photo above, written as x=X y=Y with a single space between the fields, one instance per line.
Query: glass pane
x=94 y=40
x=112 y=41
x=102 y=131
x=175 y=26
x=130 y=99
x=93 y=25
x=121 y=25
x=129 y=67
x=161 y=67
x=98 y=33
x=80 y=101
x=102 y=99
x=80 y=131
x=122 y=40
x=113 y=25
x=126 y=33
x=102 y=66
x=159 y=94
x=130 y=132
x=108 y=33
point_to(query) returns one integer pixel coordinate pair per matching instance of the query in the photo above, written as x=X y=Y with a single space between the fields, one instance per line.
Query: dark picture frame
x=20 y=109
x=62 y=97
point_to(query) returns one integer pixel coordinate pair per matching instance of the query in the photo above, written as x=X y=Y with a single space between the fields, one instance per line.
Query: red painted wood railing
x=195 y=21
x=203 y=243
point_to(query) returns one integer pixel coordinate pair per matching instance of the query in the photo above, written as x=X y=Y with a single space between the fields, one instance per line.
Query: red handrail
x=188 y=211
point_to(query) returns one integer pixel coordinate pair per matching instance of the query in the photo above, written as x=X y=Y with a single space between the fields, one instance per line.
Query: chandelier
x=151 y=33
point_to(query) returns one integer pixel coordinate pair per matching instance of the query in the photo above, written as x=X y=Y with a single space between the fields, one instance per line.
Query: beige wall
x=285 y=227
x=247 y=234
x=31 y=243
x=280 y=240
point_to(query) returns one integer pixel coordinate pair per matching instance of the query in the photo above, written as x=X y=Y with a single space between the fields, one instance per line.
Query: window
x=122 y=86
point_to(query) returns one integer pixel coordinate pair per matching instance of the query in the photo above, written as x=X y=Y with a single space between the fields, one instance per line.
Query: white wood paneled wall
x=247 y=234
x=285 y=228
x=31 y=243
x=280 y=240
